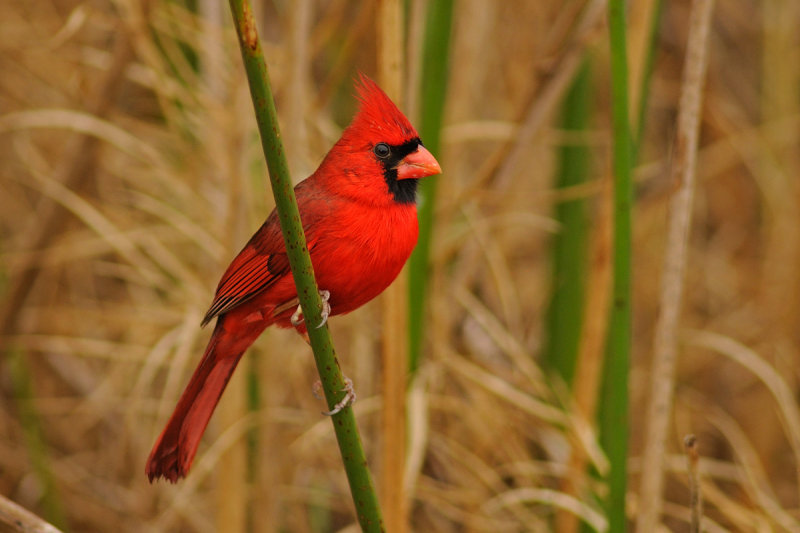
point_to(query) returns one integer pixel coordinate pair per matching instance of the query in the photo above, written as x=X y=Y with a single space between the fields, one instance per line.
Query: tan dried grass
x=110 y=325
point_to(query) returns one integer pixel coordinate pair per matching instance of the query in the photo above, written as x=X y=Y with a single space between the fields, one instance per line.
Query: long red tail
x=175 y=448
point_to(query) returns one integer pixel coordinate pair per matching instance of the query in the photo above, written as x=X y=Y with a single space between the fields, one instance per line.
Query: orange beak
x=418 y=165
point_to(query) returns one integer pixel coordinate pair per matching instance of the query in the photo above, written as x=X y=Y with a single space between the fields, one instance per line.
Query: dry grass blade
x=551 y=498
x=672 y=282
x=641 y=16
x=73 y=172
x=418 y=429
x=508 y=392
x=754 y=479
x=774 y=382
x=97 y=221
x=83 y=123
x=499 y=334
x=20 y=520
x=695 y=496
x=547 y=99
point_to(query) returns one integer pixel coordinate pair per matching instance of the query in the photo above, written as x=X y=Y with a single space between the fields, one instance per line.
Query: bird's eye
x=382 y=150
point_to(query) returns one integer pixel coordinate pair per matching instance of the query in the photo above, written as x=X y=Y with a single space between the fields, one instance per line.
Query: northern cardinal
x=360 y=219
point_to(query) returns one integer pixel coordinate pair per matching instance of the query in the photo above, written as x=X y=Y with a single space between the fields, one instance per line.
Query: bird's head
x=380 y=156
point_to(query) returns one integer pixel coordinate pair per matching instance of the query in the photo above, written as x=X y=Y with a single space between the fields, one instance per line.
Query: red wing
x=263 y=260
x=250 y=273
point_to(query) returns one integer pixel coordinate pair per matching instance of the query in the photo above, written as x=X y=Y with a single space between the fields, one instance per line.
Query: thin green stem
x=565 y=313
x=353 y=456
x=36 y=445
x=613 y=416
x=435 y=53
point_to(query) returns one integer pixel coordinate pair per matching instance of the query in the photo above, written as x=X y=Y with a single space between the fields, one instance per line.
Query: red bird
x=360 y=219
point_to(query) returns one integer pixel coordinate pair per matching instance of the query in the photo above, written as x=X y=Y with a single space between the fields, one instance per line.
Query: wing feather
x=263 y=260
x=249 y=274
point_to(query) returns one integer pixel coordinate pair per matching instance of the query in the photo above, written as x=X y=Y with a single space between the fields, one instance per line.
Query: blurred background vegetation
x=132 y=173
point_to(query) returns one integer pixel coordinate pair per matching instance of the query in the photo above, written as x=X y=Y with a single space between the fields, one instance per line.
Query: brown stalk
x=662 y=381
x=394 y=305
x=695 y=497
x=641 y=15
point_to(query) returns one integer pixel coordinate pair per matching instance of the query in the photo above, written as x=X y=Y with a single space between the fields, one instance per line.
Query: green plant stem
x=565 y=313
x=353 y=456
x=435 y=52
x=36 y=445
x=613 y=416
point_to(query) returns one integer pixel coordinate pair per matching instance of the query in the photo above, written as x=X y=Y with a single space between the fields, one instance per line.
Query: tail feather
x=175 y=448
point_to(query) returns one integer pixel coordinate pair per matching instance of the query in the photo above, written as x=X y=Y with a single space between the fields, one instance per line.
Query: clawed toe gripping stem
x=349 y=397
x=297 y=316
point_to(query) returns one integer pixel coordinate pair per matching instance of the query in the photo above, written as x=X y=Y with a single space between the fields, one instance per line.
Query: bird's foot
x=349 y=397
x=326 y=307
x=297 y=316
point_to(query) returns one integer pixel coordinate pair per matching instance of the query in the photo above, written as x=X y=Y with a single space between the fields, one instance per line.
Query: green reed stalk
x=344 y=424
x=435 y=55
x=613 y=415
x=565 y=313
x=35 y=443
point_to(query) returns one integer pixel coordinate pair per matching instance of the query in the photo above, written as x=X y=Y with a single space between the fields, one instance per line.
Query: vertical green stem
x=347 y=435
x=565 y=313
x=34 y=439
x=613 y=416
x=436 y=49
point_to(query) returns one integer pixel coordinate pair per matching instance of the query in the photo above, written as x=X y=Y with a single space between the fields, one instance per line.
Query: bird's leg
x=297 y=316
x=349 y=397
x=285 y=306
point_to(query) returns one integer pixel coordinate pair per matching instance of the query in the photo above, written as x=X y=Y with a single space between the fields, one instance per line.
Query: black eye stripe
x=403 y=191
x=396 y=152
x=406 y=148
